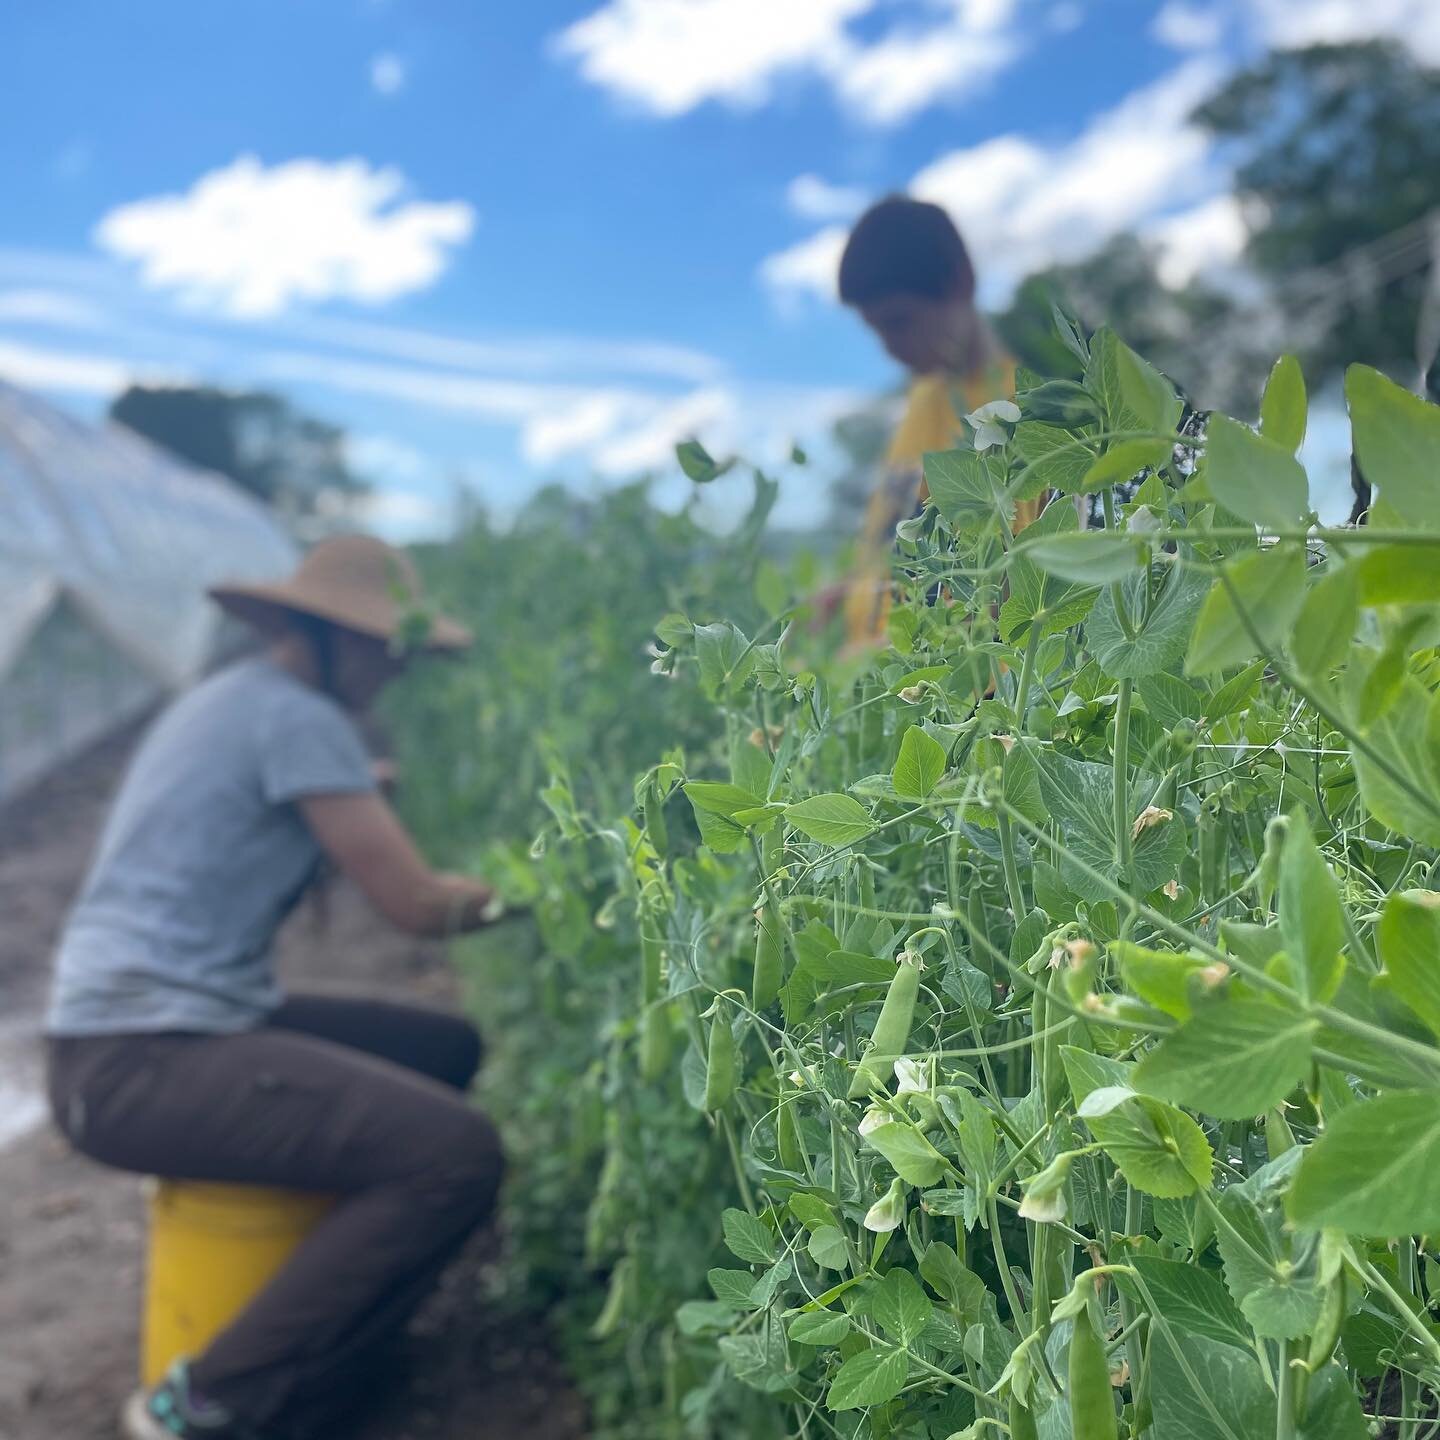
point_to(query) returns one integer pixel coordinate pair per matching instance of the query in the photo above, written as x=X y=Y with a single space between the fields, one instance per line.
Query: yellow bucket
x=212 y=1249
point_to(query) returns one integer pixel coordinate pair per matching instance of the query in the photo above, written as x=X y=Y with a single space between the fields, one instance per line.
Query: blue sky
x=507 y=242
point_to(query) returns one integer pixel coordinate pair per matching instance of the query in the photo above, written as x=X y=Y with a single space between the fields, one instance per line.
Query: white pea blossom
x=989 y=424
x=873 y=1119
x=888 y=1212
x=912 y=1077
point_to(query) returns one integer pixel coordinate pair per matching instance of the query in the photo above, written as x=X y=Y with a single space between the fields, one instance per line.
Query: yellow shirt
x=931 y=422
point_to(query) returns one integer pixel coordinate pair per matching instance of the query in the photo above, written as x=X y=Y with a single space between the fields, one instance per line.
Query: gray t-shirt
x=201 y=857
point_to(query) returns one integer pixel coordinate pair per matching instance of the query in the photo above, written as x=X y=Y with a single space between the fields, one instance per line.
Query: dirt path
x=71 y=1233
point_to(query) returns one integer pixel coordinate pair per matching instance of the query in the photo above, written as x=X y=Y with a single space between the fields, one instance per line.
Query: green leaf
x=1271 y=1273
x=1169 y=699
x=1397 y=437
x=833 y=819
x=827 y=1247
x=1079 y=794
x=724 y=656
x=760 y=1360
x=722 y=835
x=1283 y=405
x=1326 y=628
x=1373 y=1170
x=870 y=1378
x=698 y=1317
x=1235 y=694
x=1208 y=1390
x=1399 y=575
x=1407 y=735
x=1312 y=924
x=719 y=798
x=697 y=463
x=1036 y=596
x=1054 y=459
x=820 y=1327
x=732 y=1287
x=919 y=765
x=1332 y=1408
x=1123 y=461
x=961 y=489
x=1157 y=642
x=908 y=1153
x=1253 y=477
x=1269 y=586
x=1089 y=557
x=1194 y=1300
x=1157 y=1148
x=961 y=1288
x=1235 y=1059
x=849 y=967
x=900 y=1307
x=1409 y=938
x=1134 y=394
x=748 y=1238
x=1160 y=978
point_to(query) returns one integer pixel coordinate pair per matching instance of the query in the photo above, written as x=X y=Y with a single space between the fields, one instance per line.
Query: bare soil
x=473 y=1367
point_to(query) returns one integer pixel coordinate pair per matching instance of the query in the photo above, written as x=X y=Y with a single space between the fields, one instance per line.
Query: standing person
x=172 y=1051
x=907 y=272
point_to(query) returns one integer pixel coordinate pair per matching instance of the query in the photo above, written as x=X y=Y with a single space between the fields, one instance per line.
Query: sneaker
x=173 y=1409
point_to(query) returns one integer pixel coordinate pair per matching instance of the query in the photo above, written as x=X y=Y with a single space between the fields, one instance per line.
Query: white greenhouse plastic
x=107 y=546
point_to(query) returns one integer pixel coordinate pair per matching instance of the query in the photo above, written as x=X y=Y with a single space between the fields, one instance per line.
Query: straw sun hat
x=356 y=582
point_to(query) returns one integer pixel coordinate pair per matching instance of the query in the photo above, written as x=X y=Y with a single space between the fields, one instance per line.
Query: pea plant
x=1059 y=987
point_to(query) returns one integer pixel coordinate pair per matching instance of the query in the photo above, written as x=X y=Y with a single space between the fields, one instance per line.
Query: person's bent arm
x=365 y=838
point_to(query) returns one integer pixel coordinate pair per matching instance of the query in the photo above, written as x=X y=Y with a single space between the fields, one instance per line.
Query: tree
x=290 y=460
x=1119 y=286
x=1339 y=166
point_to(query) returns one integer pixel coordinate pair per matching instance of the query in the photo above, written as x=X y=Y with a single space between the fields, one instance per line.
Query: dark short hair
x=901 y=246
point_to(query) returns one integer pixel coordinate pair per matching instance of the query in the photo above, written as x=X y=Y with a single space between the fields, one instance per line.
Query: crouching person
x=173 y=1053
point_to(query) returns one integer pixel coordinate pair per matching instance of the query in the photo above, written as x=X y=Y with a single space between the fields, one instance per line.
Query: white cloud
x=49 y=307
x=65 y=370
x=1290 y=24
x=515 y=354
x=575 y=427
x=650 y=445
x=903 y=72
x=388 y=74
x=1186 y=25
x=812 y=198
x=403 y=516
x=670 y=56
x=1022 y=204
x=810 y=267
x=254 y=241
x=1209 y=236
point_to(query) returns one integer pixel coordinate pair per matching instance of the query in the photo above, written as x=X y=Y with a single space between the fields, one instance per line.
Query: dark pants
x=351 y=1096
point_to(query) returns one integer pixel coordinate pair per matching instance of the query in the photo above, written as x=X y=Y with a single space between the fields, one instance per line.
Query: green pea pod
x=651 y=958
x=720 y=1064
x=1327 y=1328
x=769 y=959
x=617 y=1299
x=1092 y=1408
x=1279 y=1137
x=892 y=1032
x=1022 y=1421
x=655 y=821
x=772 y=851
x=787 y=1131
x=975 y=913
x=656 y=1042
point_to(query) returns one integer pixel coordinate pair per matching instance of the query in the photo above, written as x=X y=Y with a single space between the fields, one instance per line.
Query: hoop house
x=107 y=546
